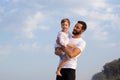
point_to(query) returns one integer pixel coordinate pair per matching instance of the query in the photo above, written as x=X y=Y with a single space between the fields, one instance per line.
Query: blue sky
x=28 y=30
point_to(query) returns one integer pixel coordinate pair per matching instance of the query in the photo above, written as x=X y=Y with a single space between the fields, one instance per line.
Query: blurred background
x=28 y=30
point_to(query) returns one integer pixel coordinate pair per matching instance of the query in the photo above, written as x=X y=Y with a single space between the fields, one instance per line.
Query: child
x=63 y=37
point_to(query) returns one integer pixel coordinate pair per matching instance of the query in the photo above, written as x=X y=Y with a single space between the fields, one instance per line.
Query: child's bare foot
x=58 y=73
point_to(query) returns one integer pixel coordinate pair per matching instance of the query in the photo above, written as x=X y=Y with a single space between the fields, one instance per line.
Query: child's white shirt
x=64 y=38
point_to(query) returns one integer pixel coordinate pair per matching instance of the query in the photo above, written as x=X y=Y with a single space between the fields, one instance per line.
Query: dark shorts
x=67 y=74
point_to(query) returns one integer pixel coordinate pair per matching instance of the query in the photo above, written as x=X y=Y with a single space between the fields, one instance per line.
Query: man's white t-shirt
x=72 y=62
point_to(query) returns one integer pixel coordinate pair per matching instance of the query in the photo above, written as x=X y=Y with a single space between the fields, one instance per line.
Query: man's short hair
x=84 y=25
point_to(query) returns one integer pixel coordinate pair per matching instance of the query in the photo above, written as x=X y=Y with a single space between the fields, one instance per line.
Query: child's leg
x=64 y=60
x=61 y=56
x=60 y=52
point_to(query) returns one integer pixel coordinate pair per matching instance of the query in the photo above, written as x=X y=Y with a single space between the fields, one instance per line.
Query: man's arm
x=71 y=53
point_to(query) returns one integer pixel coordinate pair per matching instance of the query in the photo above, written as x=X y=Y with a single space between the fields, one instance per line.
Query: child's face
x=65 y=26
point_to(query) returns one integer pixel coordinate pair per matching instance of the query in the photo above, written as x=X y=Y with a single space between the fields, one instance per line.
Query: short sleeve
x=81 y=45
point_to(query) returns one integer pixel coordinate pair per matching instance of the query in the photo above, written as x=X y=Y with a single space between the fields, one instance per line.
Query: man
x=69 y=69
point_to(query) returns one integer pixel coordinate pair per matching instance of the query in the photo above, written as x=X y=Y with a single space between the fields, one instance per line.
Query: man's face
x=77 y=29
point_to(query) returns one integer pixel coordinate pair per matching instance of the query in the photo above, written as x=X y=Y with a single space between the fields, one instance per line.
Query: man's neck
x=76 y=36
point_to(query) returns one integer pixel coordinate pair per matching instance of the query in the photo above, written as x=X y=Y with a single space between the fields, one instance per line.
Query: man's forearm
x=71 y=53
x=67 y=50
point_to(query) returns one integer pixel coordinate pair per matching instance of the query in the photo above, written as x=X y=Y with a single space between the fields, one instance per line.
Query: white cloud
x=1 y=10
x=111 y=45
x=113 y=17
x=43 y=27
x=35 y=47
x=100 y=35
x=12 y=11
x=98 y=32
x=80 y=11
x=29 y=47
x=32 y=23
x=12 y=1
x=5 y=50
x=100 y=15
x=98 y=4
x=115 y=24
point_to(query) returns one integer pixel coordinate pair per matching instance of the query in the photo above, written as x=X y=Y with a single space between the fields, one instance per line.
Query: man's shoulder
x=82 y=41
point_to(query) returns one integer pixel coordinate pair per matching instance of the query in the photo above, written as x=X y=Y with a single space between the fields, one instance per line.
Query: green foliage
x=111 y=71
x=99 y=76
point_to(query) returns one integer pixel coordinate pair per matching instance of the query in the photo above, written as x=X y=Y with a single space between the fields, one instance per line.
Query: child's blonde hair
x=65 y=20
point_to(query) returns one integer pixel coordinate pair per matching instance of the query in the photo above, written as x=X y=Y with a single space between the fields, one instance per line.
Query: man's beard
x=76 y=33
